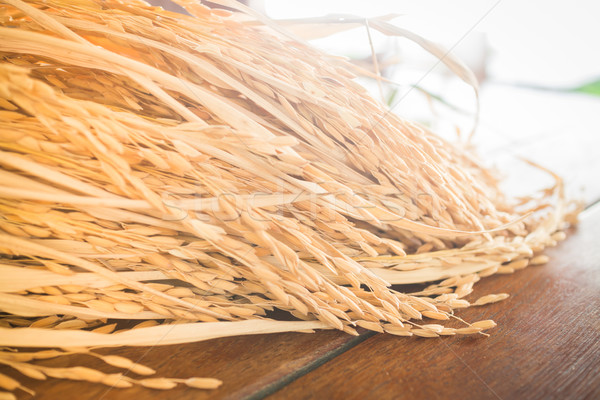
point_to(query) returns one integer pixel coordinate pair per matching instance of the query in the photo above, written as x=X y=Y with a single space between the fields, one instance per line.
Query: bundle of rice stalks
x=194 y=173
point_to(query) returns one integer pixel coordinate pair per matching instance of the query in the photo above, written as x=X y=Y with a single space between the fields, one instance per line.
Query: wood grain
x=547 y=344
x=248 y=365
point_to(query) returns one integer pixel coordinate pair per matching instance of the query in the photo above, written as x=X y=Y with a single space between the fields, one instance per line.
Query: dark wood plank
x=546 y=345
x=247 y=365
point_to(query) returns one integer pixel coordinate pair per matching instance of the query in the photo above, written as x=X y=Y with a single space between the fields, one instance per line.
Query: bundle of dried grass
x=195 y=173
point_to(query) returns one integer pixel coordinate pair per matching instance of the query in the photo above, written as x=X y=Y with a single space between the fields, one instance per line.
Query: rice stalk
x=197 y=172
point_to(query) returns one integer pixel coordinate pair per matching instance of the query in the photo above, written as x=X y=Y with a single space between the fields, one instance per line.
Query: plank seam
x=286 y=380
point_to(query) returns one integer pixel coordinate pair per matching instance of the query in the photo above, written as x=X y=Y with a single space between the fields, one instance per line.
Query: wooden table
x=546 y=345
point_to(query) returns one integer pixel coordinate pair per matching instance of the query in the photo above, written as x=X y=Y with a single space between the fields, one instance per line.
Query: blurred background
x=537 y=63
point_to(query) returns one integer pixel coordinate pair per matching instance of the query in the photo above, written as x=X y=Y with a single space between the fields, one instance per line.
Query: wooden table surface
x=546 y=345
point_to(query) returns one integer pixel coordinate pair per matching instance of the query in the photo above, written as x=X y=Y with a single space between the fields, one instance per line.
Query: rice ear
x=197 y=173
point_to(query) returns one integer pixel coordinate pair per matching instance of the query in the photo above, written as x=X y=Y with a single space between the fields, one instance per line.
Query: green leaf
x=592 y=88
